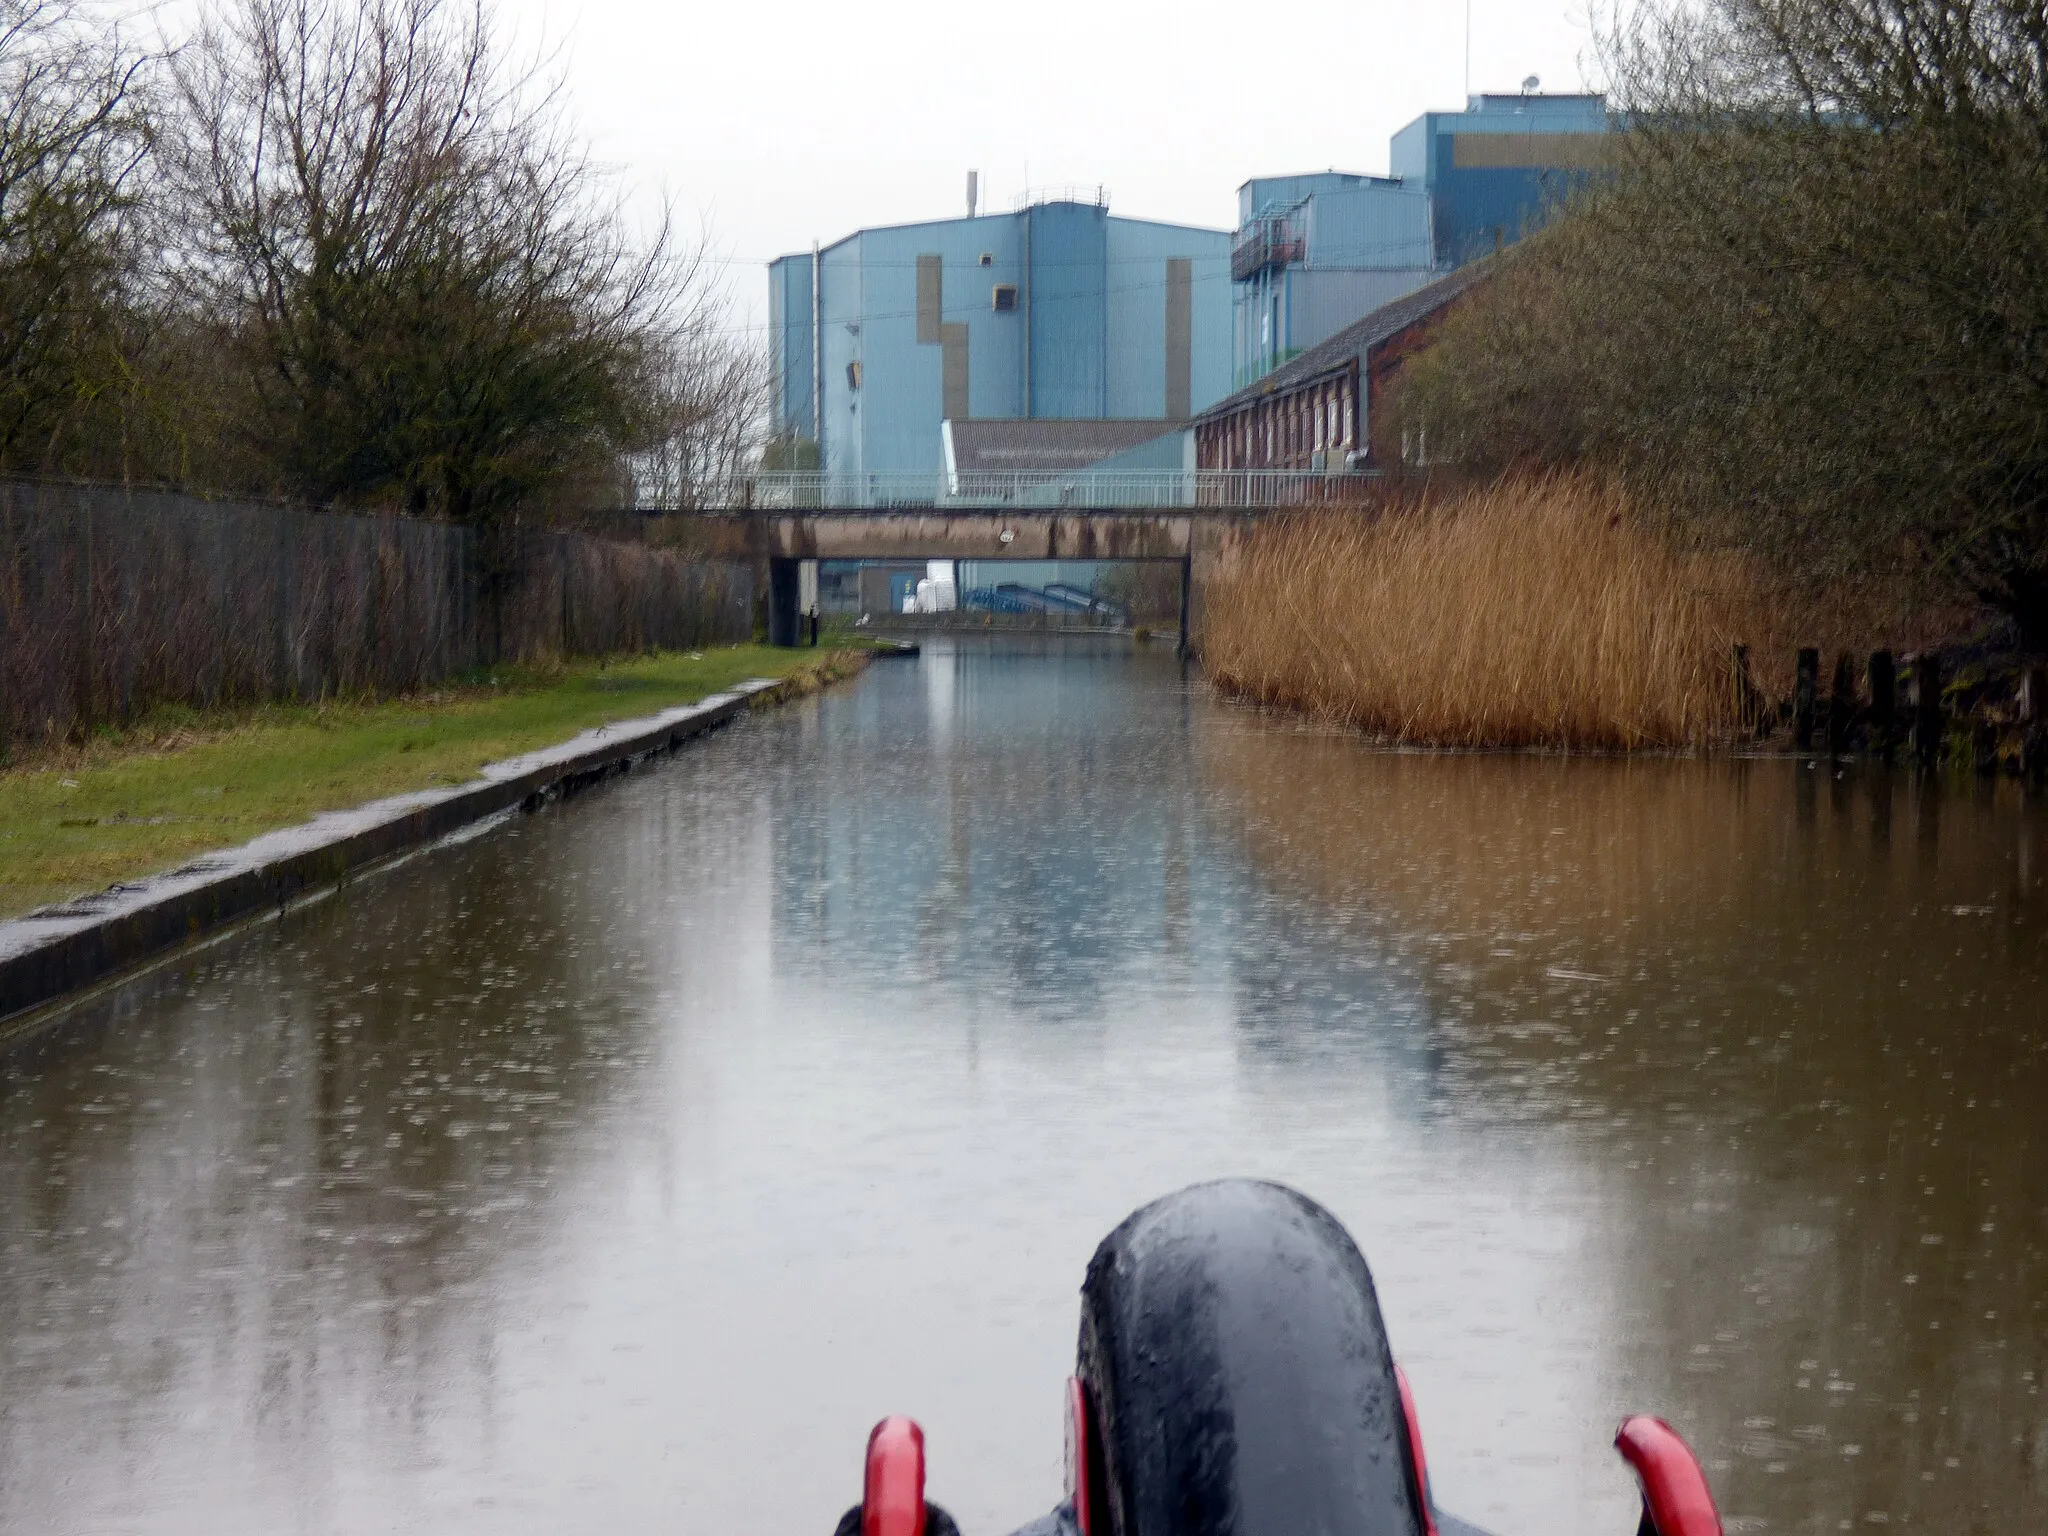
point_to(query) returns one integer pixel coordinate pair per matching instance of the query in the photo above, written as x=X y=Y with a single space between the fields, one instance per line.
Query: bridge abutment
x=785 y=580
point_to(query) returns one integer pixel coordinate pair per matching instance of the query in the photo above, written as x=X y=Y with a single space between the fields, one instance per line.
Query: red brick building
x=1313 y=414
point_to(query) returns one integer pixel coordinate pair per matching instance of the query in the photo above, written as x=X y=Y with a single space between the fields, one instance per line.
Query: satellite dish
x=1531 y=84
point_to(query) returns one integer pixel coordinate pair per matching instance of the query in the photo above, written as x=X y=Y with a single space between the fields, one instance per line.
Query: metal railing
x=1036 y=490
x=1270 y=240
x=1096 y=196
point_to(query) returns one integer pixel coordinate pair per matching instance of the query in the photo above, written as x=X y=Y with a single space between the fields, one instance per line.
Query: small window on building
x=988 y=258
x=853 y=374
x=1005 y=298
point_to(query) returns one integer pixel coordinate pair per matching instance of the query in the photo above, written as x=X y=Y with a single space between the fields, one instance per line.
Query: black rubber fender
x=936 y=1522
x=1238 y=1372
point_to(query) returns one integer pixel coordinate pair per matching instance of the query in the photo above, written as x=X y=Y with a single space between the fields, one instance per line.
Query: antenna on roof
x=1531 y=85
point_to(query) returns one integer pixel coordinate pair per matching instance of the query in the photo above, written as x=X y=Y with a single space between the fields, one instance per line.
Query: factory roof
x=1356 y=341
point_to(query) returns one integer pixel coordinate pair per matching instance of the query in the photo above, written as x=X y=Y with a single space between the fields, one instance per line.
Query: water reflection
x=1804 y=1051
x=621 y=1164
x=1028 y=857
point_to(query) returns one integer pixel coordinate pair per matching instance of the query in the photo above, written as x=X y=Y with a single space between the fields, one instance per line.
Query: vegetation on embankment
x=347 y=254
x=1802 y=316
x=1531 y=613
x=130 y=803
x=1794 y=329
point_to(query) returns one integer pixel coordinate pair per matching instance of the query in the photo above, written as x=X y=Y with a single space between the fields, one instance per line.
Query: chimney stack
x=973 y=191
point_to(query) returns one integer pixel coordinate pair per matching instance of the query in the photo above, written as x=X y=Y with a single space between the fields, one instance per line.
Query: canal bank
x=56 y=950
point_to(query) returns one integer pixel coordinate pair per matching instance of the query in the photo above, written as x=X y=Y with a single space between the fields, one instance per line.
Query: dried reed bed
x=1536 y=612
x=115 y=602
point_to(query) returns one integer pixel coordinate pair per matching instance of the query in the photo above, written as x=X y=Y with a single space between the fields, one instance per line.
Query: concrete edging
x=54 y=952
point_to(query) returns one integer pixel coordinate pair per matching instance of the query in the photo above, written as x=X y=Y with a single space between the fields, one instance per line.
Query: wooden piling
x=1926 y=704
x=1843 y=704
x=1883 y=678
x=2033 y=713
x=1984 y=744
x=1805 y=697
x=2034 y=695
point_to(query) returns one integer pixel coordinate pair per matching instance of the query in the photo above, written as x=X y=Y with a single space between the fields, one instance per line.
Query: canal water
x=615 y=1168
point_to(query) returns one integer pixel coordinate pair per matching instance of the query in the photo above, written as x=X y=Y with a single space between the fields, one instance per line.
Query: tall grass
x=1535 y=612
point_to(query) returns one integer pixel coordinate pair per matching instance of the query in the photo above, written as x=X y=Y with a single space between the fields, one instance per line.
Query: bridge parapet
x=1112 y=533
x=1041 y=490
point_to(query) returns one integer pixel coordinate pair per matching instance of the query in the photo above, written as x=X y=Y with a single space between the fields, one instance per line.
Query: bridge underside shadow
x=1202 y=540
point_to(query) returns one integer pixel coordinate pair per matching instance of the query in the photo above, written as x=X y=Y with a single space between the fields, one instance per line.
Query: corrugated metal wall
x=1324 y=302
x=1375 y=225
x=1137 y=279
x=1523 y=155
x=1280 y=315
x=789 y=342
x=1475 y=207
x=1069 y=310
x=1090 y=335
x=902 y=394
x=902 y=377
x=1266 y=192
x=842 y=300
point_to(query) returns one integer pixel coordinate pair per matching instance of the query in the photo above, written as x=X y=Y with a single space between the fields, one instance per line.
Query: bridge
x=1202 y=541
x=1040 y=489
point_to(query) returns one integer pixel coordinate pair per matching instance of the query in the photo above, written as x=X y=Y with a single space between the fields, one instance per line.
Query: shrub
x=1806 y=316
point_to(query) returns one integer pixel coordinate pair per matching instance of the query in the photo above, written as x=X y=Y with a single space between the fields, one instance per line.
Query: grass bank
x=133 y=802
x=1532 y=613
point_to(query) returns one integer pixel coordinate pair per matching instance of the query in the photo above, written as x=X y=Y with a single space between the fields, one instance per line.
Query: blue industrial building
x=1494 y=171
x=1056 y=312
x=1314 y=253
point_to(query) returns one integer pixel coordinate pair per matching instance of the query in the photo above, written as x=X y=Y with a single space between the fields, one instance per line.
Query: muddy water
x=617 y=1167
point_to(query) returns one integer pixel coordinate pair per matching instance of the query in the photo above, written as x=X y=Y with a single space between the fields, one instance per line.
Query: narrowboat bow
x=1234 y=1379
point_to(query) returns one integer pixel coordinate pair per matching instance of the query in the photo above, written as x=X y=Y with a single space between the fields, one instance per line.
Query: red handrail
x=892 y=1494
x=1415 y=1449
x=1079 y=1489
x=1676 y=1500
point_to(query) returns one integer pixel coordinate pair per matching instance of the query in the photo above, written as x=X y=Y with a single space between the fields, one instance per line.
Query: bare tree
x=72 y=139
x=707 y=410
x=425 y=287
x=1811 y=312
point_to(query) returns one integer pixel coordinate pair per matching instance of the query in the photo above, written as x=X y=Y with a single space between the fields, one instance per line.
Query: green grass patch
x=133 y=802
x=842 y=634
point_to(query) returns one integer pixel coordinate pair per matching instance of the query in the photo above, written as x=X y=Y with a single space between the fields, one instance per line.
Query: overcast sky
x=780 y=123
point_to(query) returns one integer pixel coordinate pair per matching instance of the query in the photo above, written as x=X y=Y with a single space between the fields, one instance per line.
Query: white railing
x=1031 y=490
x=1096 y=196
